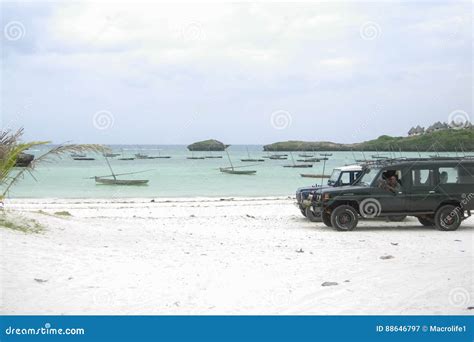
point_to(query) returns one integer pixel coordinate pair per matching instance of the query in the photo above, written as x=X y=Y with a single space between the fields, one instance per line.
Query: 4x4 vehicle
x=439 y=192
x=340 y=176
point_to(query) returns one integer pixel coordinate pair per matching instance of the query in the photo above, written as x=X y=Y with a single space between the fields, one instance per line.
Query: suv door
x=423 y=195
x=390 y=201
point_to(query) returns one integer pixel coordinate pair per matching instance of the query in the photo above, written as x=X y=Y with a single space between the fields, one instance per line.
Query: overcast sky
x=240 y=73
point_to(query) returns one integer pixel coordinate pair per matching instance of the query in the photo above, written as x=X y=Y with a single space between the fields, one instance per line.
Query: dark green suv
x=439 y=192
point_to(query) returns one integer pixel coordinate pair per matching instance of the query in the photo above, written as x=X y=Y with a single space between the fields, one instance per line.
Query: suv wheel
x=427 y=221
x=309 y=213
x=344 y=218
x=448 y=217
x=326 y=219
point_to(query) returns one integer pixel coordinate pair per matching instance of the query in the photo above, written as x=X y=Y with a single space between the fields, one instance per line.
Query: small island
x=208 y=145
x=437 y=138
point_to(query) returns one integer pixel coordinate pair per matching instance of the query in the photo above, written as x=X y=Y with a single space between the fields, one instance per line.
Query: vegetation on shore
x=208 y=145
x=11 y=147
x=440 y=141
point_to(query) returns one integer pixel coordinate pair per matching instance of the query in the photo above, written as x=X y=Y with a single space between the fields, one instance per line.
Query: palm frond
x=11 y=149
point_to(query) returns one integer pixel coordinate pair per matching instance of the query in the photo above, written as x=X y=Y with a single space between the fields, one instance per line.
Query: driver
x=390 y=183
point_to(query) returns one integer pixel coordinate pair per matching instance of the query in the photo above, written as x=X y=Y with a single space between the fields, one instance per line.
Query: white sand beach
x=232 y=256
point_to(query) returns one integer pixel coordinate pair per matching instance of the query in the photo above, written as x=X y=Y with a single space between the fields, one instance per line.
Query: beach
x=225 y=256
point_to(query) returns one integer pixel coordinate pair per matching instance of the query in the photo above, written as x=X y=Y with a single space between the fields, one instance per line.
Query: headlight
x=310 y=197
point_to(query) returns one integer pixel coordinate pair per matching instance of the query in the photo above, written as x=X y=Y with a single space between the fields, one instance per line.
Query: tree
x=11 y=147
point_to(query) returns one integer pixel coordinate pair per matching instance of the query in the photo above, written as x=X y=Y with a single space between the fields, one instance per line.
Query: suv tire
x=303 y=212
x=426 y=221
x=309 y=213
x=326 y=219
x=448 y=218
x=344 y=218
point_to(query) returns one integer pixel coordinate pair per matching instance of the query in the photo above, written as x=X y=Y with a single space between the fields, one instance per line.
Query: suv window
x=456 y=175
x=391 y=180
x=423 y=177
x=345 y=178
x=368 y=177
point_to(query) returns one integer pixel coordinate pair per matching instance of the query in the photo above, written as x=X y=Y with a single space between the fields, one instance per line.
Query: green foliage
x=11 y=147
x=440 y=141
x=18 y=223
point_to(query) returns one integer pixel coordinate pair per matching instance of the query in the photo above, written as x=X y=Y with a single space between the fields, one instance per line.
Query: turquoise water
x=175 y=177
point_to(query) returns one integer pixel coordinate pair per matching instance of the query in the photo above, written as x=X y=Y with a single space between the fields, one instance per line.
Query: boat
x=249 y=159
x=232 y=170
x=304 y=155
x=299 y=166
x=78 y=155
x=308 y=175
x=115 y=181
x=83 y=158
x=278 y=157
x=211 y=156
x=326 y=154
x=130 y=158
x=309 y=160
x=379 y=157
x=112 y=178
x=194 y=158
x=159 y=156
x=144 y=156
x=111 y=155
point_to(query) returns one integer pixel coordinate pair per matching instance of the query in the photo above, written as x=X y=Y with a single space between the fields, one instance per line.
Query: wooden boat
x=304 y=155
x=194 y=158
x=278 y=157
x=299 y=166
x=326 y=154
x=115 y=181
x=111 y=155
x=83 y=158
x=249 y=159
x=308 y=175
x=131 y=158
x=232 y=170
x=309 y=160
x=159 y=156
x=106 y=180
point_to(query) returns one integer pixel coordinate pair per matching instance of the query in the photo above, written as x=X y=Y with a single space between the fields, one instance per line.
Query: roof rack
x=390 y=161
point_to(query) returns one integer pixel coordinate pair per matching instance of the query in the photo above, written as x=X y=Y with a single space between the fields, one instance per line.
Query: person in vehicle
x=390 y=182
x=443 y=177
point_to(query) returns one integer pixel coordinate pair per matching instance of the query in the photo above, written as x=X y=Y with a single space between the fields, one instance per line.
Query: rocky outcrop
x=208 y=145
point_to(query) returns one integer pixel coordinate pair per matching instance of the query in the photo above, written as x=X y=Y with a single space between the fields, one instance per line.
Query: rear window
x=460 y=174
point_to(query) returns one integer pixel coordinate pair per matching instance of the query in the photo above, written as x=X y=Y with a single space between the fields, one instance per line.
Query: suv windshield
x=368 y=177
x=334 y=177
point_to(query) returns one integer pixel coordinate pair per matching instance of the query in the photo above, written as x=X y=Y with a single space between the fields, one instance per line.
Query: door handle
x=432 y=192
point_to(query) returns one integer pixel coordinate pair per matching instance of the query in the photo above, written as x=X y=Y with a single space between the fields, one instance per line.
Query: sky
x=242 y=73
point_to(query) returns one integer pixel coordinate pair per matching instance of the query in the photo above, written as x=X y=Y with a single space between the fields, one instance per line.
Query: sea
x=179 y=176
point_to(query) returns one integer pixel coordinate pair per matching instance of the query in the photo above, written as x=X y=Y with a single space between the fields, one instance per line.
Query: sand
x=233 y=256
